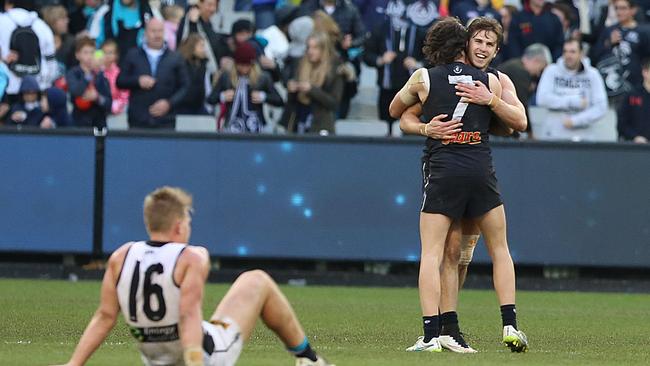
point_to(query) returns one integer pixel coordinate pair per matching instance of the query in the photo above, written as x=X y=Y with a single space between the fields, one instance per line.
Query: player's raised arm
x=414 y=91
x=106 y=314
x=193 y=268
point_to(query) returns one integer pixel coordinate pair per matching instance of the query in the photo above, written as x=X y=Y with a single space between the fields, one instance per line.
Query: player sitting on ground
x=158 y=286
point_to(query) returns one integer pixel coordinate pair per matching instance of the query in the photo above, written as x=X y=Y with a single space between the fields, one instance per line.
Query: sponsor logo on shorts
x=464 y=137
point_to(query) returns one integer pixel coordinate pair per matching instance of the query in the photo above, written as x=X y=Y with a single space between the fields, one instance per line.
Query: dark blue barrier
x=358 y=199
x=46 y=194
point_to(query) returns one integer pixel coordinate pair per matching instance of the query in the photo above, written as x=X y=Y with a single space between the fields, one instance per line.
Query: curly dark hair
x=445 y=41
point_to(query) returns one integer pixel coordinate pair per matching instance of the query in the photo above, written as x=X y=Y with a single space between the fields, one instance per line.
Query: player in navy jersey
x=458 y=175
x=485 y=36
x=158 y=286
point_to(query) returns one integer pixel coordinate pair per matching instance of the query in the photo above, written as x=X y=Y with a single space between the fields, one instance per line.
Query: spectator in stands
x=57 y=19
x=110 y=58
x=373 y=12
x=243 y=31
x=506 y=13
x=193 y=51
x=525 y=72
x=535 y=24
x=89 y=90
x=124 y=22
x=4 y=81
x=156 y=78
x=31 y=52
x=173 y=14
x=27 y=110
x=575 y=88
x=394 y=48
x=620 y=49
x=264 y=13
x=353 y=34
x=633 y=121
x=316 y=89
x=567 y=18
x=88 y=18
x=197 y=20
x=299 y=30
x=467 y=10
x=55 y=105
x=242 y=91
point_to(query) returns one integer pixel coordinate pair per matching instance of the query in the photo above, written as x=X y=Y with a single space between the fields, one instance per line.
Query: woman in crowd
x=242 y=91
x=315 y=90
x=193 y=51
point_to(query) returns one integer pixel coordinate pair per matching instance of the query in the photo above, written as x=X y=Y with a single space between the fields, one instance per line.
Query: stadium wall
x=315 y=198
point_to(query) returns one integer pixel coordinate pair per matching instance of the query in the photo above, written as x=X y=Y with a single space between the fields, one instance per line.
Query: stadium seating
x=602 y=131
x=370 y=128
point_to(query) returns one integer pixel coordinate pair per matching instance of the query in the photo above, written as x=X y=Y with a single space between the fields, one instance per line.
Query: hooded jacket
x=24 y=18
x=563 y=90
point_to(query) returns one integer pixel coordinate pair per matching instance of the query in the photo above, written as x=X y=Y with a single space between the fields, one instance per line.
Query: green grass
x=42 y=320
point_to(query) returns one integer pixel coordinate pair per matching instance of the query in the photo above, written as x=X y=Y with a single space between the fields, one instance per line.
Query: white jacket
x=563 y=90
x=23 y=17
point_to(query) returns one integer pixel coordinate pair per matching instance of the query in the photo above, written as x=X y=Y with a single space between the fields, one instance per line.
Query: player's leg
x=468 y=241
x=255 y=294
x=450 y=337
x=433 y=232
x=493 y=227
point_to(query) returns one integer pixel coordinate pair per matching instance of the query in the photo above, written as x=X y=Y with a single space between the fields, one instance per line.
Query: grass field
x=42 y=320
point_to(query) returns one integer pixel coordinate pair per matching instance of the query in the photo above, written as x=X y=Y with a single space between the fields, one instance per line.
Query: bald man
x=157 y=79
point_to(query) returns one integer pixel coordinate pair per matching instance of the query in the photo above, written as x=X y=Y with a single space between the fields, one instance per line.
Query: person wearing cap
x=242 y=91
x=27 y=111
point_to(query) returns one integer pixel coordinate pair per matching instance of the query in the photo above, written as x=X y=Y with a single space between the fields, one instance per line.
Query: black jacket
x=172 y=84
x=77 y=84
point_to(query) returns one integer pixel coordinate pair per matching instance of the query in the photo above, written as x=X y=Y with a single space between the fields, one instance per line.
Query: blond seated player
x=158 y=285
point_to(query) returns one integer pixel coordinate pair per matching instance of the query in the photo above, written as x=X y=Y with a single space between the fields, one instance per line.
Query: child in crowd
x=88 y=87
x=28 y=110
x=110 y=58
x=172 y=15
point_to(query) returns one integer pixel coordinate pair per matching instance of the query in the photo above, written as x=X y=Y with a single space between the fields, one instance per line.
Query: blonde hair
x=53 y=13
x=316 y=73
x=253 y=75
x=323 y=23
x=164 y=206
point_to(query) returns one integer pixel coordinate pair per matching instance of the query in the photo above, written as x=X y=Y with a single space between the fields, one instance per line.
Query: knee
x=256 y=278
x=452 y=255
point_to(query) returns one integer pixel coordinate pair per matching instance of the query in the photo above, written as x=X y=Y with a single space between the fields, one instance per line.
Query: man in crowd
x=157 y=79
x=576 y=89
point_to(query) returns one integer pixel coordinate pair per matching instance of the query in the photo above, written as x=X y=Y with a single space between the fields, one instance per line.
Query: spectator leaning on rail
x=156 y=78
x=32 y=50
x=633 y=121
x=576 y=89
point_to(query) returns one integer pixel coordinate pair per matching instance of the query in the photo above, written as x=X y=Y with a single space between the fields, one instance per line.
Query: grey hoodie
x=562 y=90
x=23 y=18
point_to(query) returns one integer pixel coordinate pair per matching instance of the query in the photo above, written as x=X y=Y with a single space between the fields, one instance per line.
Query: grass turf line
x=42 y=320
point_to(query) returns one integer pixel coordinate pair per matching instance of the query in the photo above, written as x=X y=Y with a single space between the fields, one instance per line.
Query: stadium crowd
x=75 y=62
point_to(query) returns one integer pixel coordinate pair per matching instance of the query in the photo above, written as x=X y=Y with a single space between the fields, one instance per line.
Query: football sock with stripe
x=303 y=350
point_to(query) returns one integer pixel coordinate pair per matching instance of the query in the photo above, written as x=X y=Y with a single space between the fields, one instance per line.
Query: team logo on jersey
x=464 y=137
x=458 y=69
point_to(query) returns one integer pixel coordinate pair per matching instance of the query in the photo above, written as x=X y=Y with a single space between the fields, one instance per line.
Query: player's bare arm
x=414 y=91
x=105 y=317
x=508 y=108
x=191 y=273
x=436 y=128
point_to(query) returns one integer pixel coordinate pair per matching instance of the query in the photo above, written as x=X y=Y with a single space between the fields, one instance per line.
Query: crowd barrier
x=333 y=198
